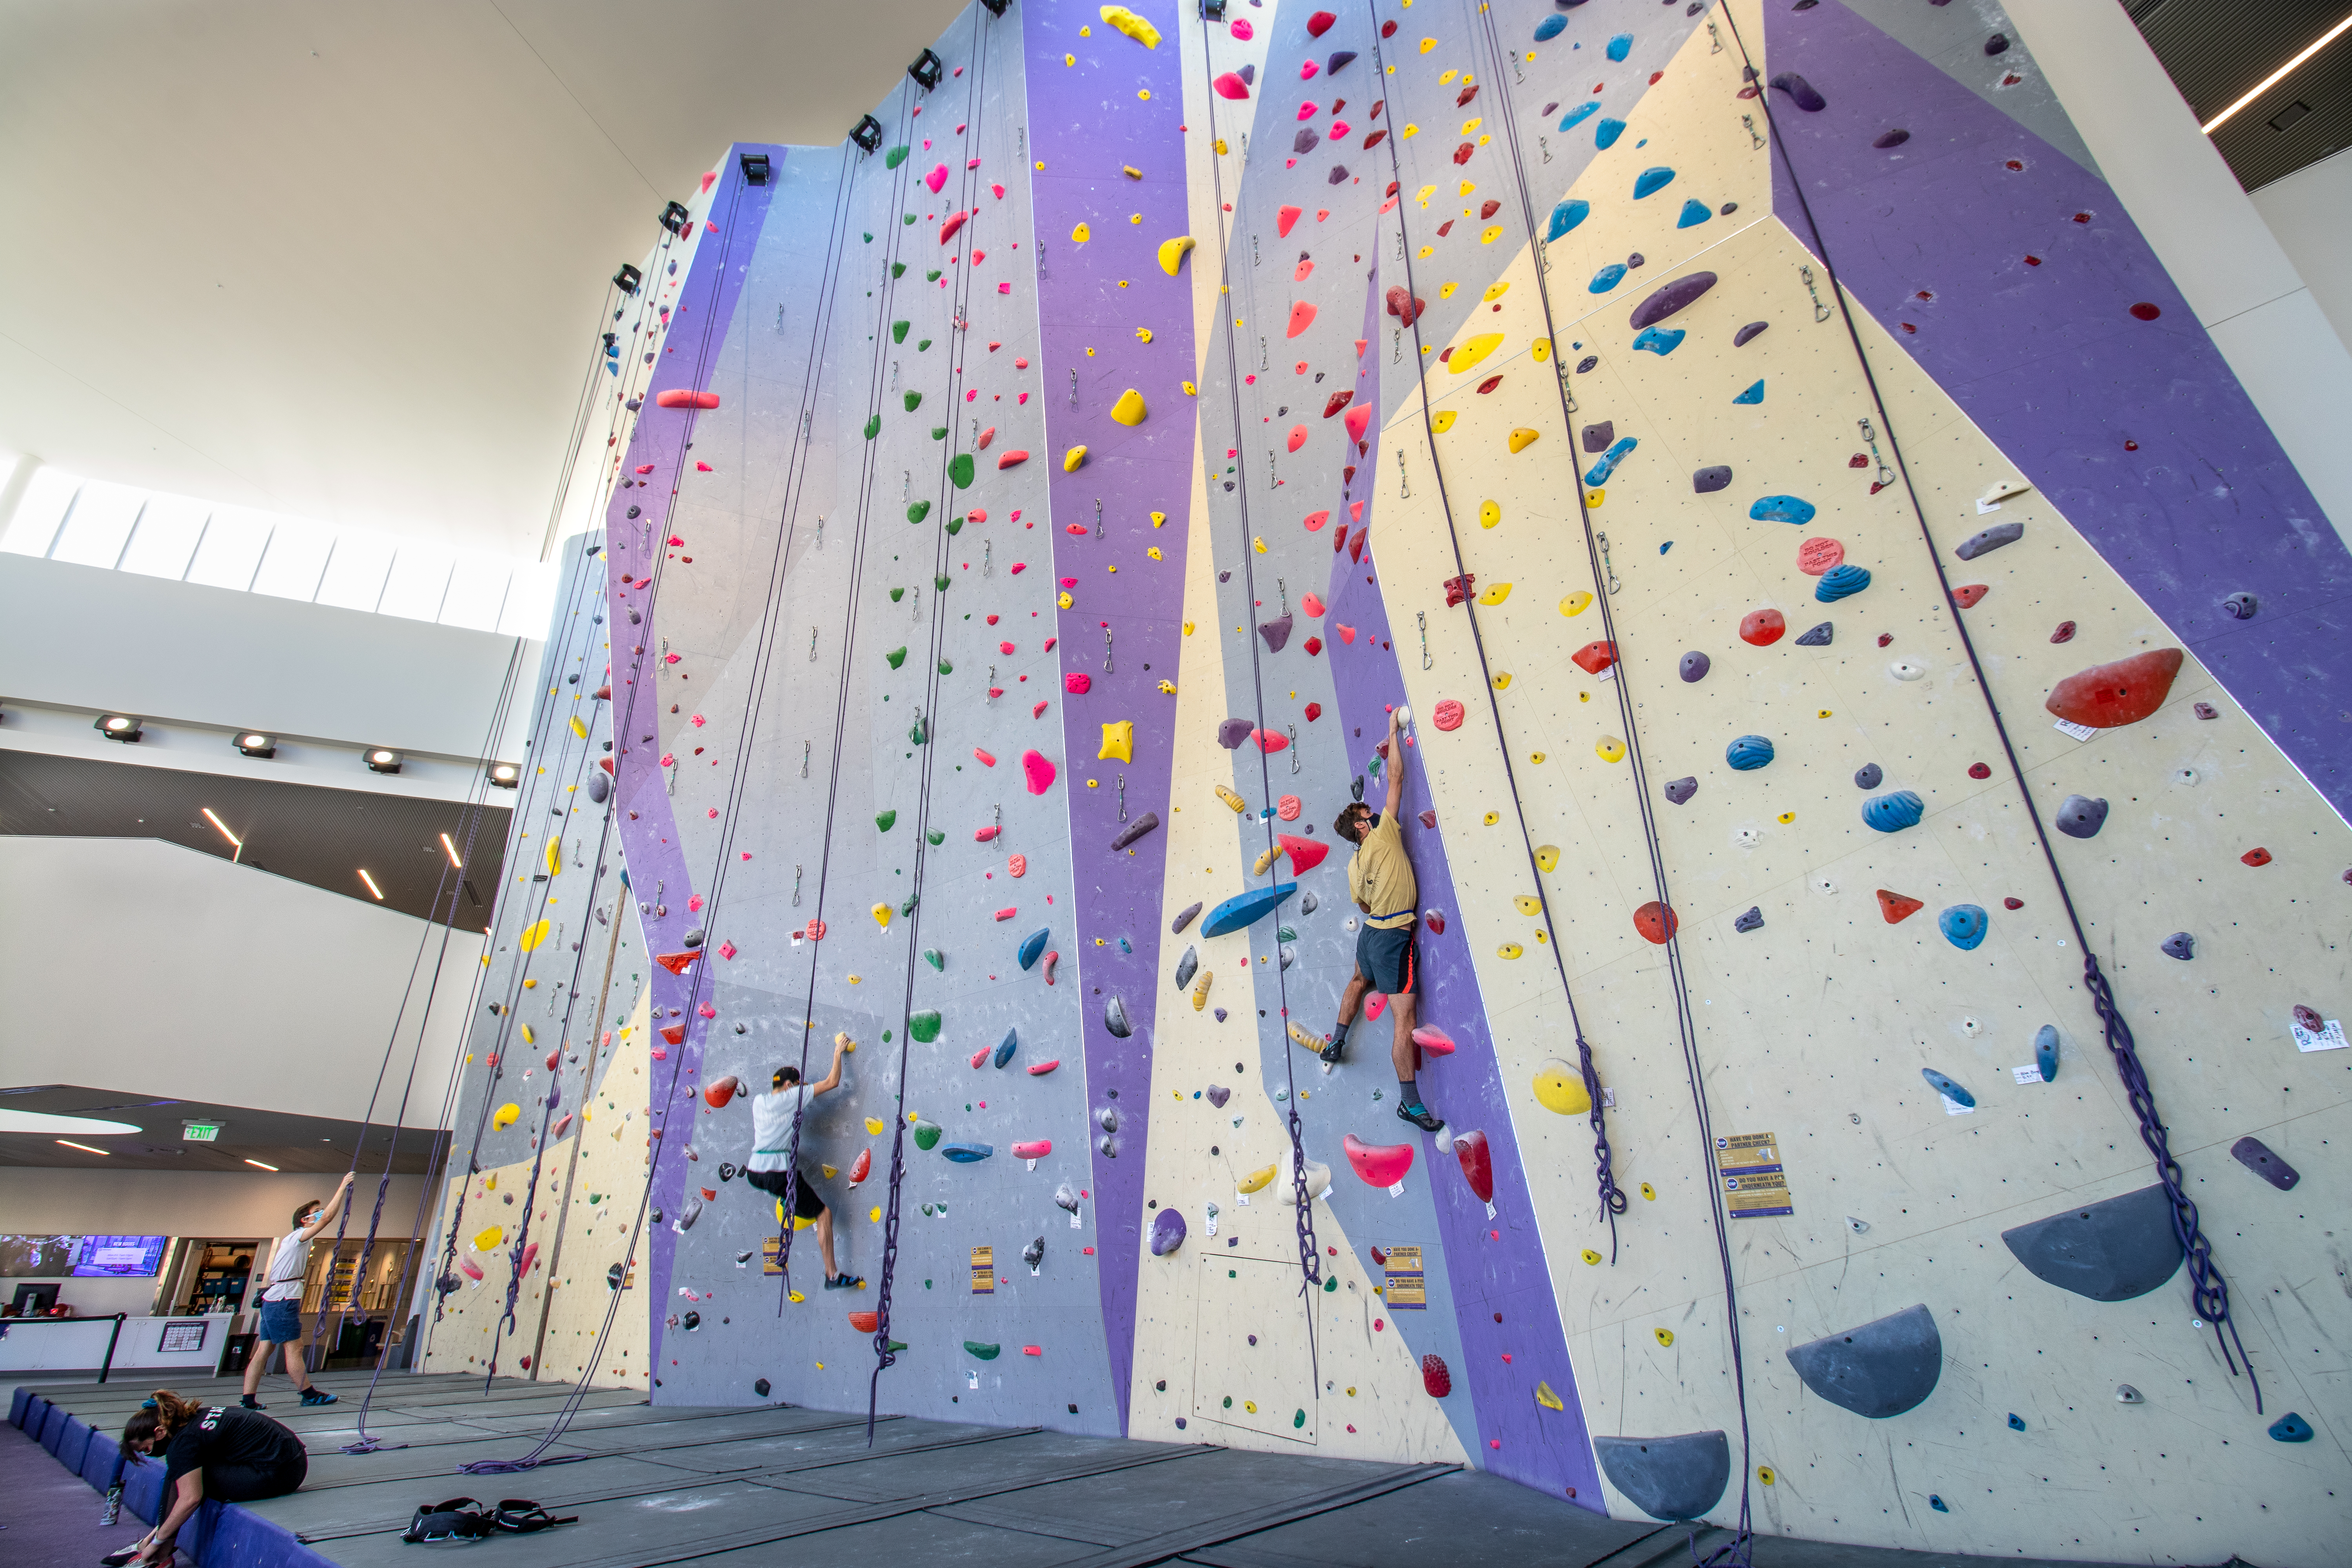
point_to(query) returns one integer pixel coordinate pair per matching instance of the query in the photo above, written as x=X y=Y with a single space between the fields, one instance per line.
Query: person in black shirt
x=216 y=1451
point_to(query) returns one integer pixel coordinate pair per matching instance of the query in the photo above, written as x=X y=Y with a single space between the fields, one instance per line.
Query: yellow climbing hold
x=1230 y=798
x=1610 y=749
x=1546 y=1398
x=578 y=728
x=1445 y=290
x=1256 y=1180
x=1133 y=25
x=1443 y=422
x=1264 y=858
x=1075 y=457
x=1447 y=79
x=1065 y=600
x=532 y=935
x=1547 y=857
x=1154 y=553
x=881 y=913
x=1536 y=758
x=1201 y=989
x=1128 y=410
x=1187 y=628
x=1081 y=234
x=1427 y=45
x=527 y=1034
x=1470 y=352
x=1576 y=604
x=1158 y=519
x=505 y=1115
x=1787 y=817
x=1489 y=514
x=1560 y=1088
x=1541 y=349
x=1117 y=741
x=1665 y=1336
x=1167 y=687
x=1257 y=544
x=1144 y=334
x=1191 y=390
x=829 y=1172
x=874 y=1215
x=555 y=857
x=1528 y=903
x=1495 y=291
x=1764 y=1474
x=1590 y=1256
x=1173 y=251
x=1496 y=594
x=874 y=1125
x=1509 y=950
x=1221 y=147
x=1592 y=498
x=1522 y=439
x=1503 y=680
x=1649 y=1192
x=490 y=1238
x=1493 y=817
x=1490 y=233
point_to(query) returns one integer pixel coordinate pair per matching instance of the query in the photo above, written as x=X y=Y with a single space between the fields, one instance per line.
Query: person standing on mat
x=213 y=1451
x=1381 y=880
x=772 y=1141
x=282 y=1302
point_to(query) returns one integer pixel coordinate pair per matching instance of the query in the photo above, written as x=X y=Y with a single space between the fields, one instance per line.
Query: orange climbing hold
x=1285 y=218
x=1967 y=597
x=2106 y=696
x=681 y=397
x=676 y=963
x=1896 y=908
x=1302 y=316
x=1656 y=921
x=865 y=1323
x=1595 y=657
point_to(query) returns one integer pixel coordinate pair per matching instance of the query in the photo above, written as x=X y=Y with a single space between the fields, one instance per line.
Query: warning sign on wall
x=1754 y=1184
x=984 y=1271
x=1407 y=1287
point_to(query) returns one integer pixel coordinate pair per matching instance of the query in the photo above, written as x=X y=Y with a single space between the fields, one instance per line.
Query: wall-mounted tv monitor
x=120 y=1256
x=37 y=1256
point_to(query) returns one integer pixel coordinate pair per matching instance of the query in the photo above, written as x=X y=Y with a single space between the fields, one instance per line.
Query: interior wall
x=2310 y=211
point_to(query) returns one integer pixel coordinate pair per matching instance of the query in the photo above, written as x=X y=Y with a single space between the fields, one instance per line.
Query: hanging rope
x=2208 y=1287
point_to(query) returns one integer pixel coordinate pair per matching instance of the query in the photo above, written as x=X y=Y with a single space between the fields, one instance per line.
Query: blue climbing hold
x=1937 y=1503
x=1566 y=216
x=1695 y=212
x=1748 y=753
x=1006 y=1047
x=2045 y=1052
x=1620 y=46
x=1753 y=395
x=1246 y=908
x=2291 y=1428
x=1551 y=28
x=1598 y=475
x=1605 y=134
x=1781 y=509
x=1032 y=946
x=967 y=1154
x=1948 y=1088
x=1892 y=813
x=1608 y=278
x=1651 y=181
x=2016 y=1422
x=1964 y=927
x=1842 y=583
x=1576 y=117
x=1660 y=340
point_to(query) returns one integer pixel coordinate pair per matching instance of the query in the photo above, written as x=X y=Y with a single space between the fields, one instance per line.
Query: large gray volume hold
x=1884 y=1368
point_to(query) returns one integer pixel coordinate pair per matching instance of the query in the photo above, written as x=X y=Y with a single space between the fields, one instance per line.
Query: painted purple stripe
x=2049 y=362
x=1493 y=1267
x=649 y=835
x=1090 y=300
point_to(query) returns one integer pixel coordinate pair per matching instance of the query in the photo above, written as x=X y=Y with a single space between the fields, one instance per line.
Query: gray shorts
x=1384 y=958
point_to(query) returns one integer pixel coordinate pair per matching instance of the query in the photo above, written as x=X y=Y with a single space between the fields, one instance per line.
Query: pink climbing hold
x=1347 y=634
x=1288 y=807
x=1040 y=1069
x=1818 y=555
x=980 y=1057
x=936 y=179
x=1033 y=1349
x=1302 y=316
x=1358 y=419
x=1297 y=432
x=1078 y=683
x=1380 y=1164
x=1285 y=217
x=1010 y=459
x=1267 y=741
x=680 y=397
x=985 y=834
x=1374 y=1005
x=1309 y=110
x=1448 y=715
x=1051 y=959
x=1041 y=772
x=1314 y=520
x=985 y=761
x=1306 y=854
x=1034 y=1150
x=948 y=229
x=1007 y=912
x=1228 y=85
x=473 y=1271
x=1017 y=867
x=1311 y=605
x=1433 y=1041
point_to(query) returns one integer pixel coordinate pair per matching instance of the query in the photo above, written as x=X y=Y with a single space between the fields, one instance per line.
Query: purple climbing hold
x=2258 y=1157
x=1799 y=88
x=1680 y=790
x=1136 y=830
x=1894 y=138
x=2240 y=606
x=1338 y=58
x=1708 y=480
x=1819 y=636
x=1233 y=732
x=1220 y=1012
x=2181 y=945
x=1277 y=632
x=1740 y=338
x=1218 y=1094
x=1695 y=666
x=1167 y=1233
x=1339 y=176
x=1184 y=917
x=1870 y=775
x=1988 y=540
x=2080 y=816
x=1752 y=920
x=1678 y=295
x=1598 y=437
x=1306 y=141
x=1998 y=44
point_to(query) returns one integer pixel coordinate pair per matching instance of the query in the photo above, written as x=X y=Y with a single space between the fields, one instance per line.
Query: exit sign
x=200 y=1131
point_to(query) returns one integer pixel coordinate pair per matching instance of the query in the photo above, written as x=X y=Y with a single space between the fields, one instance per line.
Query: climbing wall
x=1865 y=770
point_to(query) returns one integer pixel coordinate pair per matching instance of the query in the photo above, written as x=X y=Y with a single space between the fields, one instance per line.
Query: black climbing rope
x=2208 y=1288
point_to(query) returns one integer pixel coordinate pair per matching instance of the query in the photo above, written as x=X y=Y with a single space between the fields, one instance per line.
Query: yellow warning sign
x=984 y=1271
x=1407 y=1287
x=1754 y=1184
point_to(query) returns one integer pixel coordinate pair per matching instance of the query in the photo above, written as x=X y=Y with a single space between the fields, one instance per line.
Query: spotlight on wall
x=755 y=168
x=117 y=727
x=254 y=743
x=676 y=218
x=868 y=134
x=506 y=775
x=627 y=279
x=382 y=759
x=928 y=70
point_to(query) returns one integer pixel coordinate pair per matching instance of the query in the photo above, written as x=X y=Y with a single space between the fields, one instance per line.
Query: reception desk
x=192 y=1344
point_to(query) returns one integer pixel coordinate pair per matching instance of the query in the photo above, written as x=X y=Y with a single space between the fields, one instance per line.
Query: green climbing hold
x=960 y=469
x=872 y=425
x=914 y=401
x=1284 y=933
x=1298 y=1419
x=927 y=1135
x=908 y=219
x=897 y=657
x=895 y=156
x=955 y=526
x=897 y=1344
x=936 y=959
x=1229 y=1398
x=896 y=595
x=898 y=331
x=898 y=268
x=922 y=343
x=885 y=821
x=924 y=1026
x=932 y=276
x=979 y=1352
x=909 y=906
x=947 y=666
x=937 y=838
x=939 y=582
x=921 y=510
x=938 y=432
x=870 y=239
x=1331 y=1283
x=917 y=734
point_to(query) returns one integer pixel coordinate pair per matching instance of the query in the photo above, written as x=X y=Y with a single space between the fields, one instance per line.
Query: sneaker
x=1418 y=1114
x=317 y=1396
x=250 y=1403
x=844 y=1282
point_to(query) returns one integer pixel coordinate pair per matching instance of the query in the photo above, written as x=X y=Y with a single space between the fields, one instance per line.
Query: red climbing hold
x=2107 y=696
x=1447 y=715
x=861 y=1167
x=1268 y=741
x=1966 y=598
x=948 y=229
x=1595 y=657
x=1010 y=459
x=681 y=397
x=1980 y=771
x=1314 y=709
x=1434 y=1377
x=1477 y=1164
x=2256 y=857
x=865 y=1323
x=1897 y=907
x=1403 y=306
x=2144 y=311
x=1654 y=921
x=2012 y=903
x=2065 y=632
x=1818 y=555
x=1231 y=86
x=1380 y=1164
x=677 y=963
x=1302 y=316
x=673 y=1033
x=1306 y=854
x=1762 y=627
x=1319 y=24
x=717 y=1095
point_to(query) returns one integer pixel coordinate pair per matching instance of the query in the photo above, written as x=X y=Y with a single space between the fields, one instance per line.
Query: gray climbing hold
x=600 y=788
x=1745 y=335
x=1819 y=636
x=2126 y=1394
x=1066 y=1197
x=2181 y=945
x=1035 y=1253
x=1167 y=1233
x=1108 y=1118
x=1186 y=966
x=1598 y=437
x=1289 y=955
x=1696 y=665
x=1990 y=539
x=2079 y=816
x=1672 y=1479
x=1115 y=1020
x=1109 y=1146
x=1184 y=917
x=693 y=938
x=691 y=1211
x=1233 y=732
x=1950 y=1088
x=1136 y=830
x=2258 y=1157
x=2241 y=606
x=1708 y=480
x=1868 y=776
x=2111 y=1250
x=1884 y=1368
x=1308 y=903
x=1277 y=632
x=1752 y=920
x=1217 y=1094
x=1681 y=790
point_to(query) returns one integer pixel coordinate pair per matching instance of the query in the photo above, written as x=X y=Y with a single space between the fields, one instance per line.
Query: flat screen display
x=119 y=1256
x=37 y=1256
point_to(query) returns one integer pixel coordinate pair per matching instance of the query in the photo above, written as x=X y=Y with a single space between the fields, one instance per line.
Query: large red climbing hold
x=1302 y=316
x=1319 y=24
x=1477 y=1164
x=1896 y=908
x=865 y=1323
x=1010 y=459
x=1762 y=627
x=682 y=397
x=1380 y=1164
x=1654 y=921
x=676 y=963
x=1284 y=217
x=2107 y=696
x=717 y=1095
x=1306 y=854
x=1403 y=306
x=1434 y=1377
x=1595 y=657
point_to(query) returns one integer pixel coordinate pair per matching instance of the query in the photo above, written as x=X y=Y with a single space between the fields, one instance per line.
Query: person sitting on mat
x=208 y=1451
x=1381 y=880
x=282 y=1302
x=772 y=1140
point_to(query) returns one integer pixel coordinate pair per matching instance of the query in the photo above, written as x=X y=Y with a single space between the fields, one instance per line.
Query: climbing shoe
x=1418 y=1114
x=250 y=1403
x=844 y=1282
x=317 y=1396
x=1331 y=1053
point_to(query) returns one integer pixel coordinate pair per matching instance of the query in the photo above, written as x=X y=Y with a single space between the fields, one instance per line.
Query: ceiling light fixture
x=382 y=759
x=44 y=1121
x=2279 y=74
x=258 y=1164
x=370 y=885
x=85 y=1148
x=506 y=775
x=254 y=743
x=117 y=727
x=453 y=852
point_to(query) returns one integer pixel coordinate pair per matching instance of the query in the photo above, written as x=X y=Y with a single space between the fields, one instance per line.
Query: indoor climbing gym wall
x=1873 y=800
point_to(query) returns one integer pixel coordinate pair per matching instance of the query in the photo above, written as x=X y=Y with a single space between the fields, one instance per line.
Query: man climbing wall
x=774 y=1116
x=1381 y=880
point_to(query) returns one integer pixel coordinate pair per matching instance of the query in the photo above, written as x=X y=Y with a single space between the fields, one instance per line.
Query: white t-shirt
x=772 y=1127
x=287 y=1265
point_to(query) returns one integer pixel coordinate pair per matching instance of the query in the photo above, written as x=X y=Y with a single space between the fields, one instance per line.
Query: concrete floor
x=654 y=1485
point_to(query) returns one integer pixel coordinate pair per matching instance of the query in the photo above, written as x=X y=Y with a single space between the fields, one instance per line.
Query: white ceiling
x=344 y=261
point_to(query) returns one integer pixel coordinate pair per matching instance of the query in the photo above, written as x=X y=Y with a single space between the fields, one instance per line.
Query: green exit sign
x=200 y=1131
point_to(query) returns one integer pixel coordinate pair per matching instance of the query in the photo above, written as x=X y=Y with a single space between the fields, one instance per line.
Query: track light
x=254 y=743
x=755 y=168
x=928 y=70
x=868 y=134
x=676 y=218
x=506 y=775
x=382 y=759
x=117 y=727
x=627 y=279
